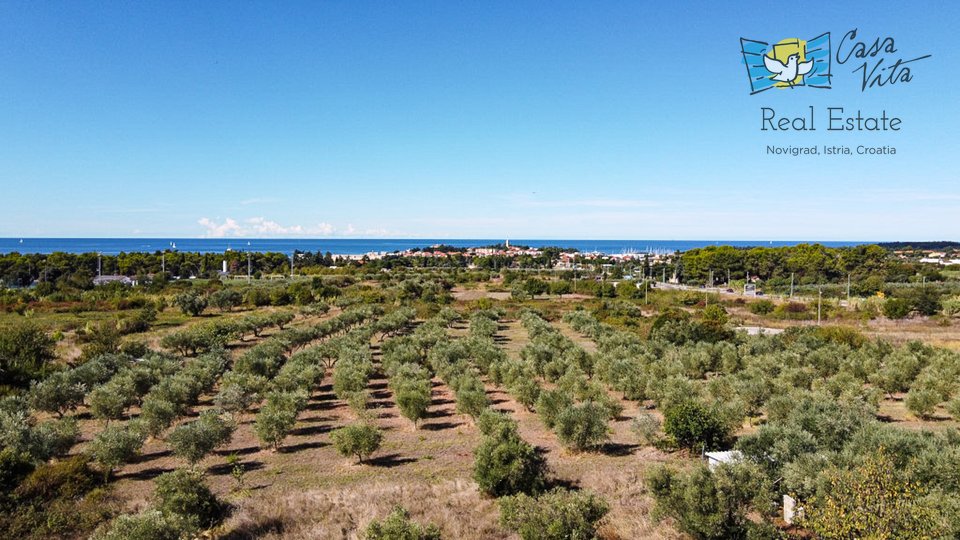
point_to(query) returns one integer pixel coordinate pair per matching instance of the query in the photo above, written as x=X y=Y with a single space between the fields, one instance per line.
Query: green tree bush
x=357 y=440
x=225 y=299
x=192 y=441
x=412 y=391
x=110 y=401
x=57 y=394
x=582 y=426
x=897 y=308
x=922 y=402
x=555 y=515
x=184 y=495
x=277 y=417
x=691 y=424
x=872 y=500
x=398 y=526
x=505 y=464
x=471 y=397
x=25 y=351
x=709 y=505
x=116 y=445
x=190 y=303
x=147 y=525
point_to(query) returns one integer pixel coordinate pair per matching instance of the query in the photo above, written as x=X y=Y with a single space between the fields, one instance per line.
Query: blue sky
x=460 y=120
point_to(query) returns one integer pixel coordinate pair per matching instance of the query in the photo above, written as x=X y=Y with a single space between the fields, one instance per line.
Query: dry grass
x=455 y=505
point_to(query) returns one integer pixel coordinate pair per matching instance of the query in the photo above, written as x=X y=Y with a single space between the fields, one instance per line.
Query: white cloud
x=219 y=230
x=263 y=227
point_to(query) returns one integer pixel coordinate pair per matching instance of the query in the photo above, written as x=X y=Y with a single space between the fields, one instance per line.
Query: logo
x=789 y=63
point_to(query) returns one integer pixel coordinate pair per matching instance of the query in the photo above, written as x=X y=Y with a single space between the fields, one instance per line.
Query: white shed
x=714 y=459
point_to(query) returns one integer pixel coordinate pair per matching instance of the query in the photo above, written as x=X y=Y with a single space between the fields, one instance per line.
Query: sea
x=359 y=246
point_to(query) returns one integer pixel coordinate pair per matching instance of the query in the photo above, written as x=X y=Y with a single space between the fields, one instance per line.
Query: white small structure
x=110 y=278
x=714 y=459
x=791 y=512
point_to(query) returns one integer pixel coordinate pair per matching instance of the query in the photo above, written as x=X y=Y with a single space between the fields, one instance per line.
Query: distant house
x=104 y=280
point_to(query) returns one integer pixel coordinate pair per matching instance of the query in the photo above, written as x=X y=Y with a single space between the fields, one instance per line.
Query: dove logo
x=789 y=63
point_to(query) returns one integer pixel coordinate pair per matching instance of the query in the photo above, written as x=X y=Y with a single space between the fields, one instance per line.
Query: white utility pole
x=819 y=299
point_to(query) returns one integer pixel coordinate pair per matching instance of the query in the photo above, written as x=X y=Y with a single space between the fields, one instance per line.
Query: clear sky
x=461 y=119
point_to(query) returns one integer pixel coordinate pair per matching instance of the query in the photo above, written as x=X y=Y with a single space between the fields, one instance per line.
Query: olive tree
x=412 y=391
x=277 y=417
x=116 y=445
x=505 y=464
x=357 y=440
x=471 y=397
x=190 y=303
x=57 y=394
x=582 y=426
x=192 y=441
x=110 y=401
x=556 y=515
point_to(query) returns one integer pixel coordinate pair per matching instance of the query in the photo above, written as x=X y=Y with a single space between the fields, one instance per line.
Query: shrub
x=194 y=440
x=897 y=308
x=14 y=467
x=58 y=500
x=115 y=446
x=70 y=478
x=472 y=397
x=157 y=413
x=873 y=501
x=551 y=403
x=276 y=417
x=556 y=515
x=53 y=438
x=357 y=440
x=708 y=505
x=922 y=402
x=412 y=392
x=190 y=303
x=147 y=525
x=184 y=495
x=583 y=426
x=491 y=422
x=692 y=425
x=398 y=526
x=25 y=351
x=761 y=307
x=57 y=394
x=226 y=299
x=953 y=407
x=504 y=463
x=110 y=401
x=646 y=427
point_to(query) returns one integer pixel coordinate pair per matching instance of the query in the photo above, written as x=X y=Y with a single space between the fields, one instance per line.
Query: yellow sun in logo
x=782 y=50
